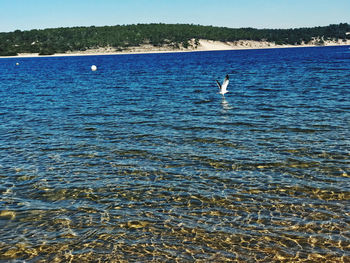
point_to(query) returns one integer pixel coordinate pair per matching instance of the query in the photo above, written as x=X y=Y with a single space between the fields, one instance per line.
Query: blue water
x=142 y=160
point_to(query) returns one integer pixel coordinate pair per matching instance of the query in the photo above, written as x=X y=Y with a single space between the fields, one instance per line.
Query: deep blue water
x=142 y=160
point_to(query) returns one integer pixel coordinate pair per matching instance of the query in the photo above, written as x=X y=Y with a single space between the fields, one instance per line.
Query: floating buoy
x=93 y=68
x=17 y=64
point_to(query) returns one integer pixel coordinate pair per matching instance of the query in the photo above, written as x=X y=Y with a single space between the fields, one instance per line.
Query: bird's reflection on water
x=225 y=105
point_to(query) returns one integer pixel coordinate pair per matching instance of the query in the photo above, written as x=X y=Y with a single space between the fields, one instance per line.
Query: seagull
x=223 y=87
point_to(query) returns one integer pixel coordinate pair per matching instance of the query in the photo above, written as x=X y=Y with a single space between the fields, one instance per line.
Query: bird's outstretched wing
x=218 y=84
x=225 y=84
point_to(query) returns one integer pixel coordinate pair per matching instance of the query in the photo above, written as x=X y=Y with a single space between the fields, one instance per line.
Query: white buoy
x=17 y=64
x=93 y=68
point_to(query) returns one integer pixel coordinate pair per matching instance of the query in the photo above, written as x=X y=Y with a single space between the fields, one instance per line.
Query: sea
x=143 y=161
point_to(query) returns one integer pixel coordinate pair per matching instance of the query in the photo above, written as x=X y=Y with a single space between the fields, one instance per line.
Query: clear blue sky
x=38 y=14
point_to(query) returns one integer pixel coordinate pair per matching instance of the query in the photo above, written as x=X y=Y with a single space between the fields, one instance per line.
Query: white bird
x=223 y=87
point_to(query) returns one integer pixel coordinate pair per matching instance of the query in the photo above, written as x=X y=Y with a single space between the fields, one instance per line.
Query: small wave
x=203 y=101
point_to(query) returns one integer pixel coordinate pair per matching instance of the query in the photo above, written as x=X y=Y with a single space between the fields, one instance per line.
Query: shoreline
x=204 y=45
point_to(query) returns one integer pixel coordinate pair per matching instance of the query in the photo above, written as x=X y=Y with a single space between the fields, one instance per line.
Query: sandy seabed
x=204 y=45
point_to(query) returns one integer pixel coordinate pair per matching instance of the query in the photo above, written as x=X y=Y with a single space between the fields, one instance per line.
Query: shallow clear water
x=143 y=161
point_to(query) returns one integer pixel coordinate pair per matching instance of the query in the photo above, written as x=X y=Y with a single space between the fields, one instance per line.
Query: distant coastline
x=156 y=38
x=202 y=45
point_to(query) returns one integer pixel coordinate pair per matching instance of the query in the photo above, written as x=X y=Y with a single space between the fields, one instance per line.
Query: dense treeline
x=61 y=40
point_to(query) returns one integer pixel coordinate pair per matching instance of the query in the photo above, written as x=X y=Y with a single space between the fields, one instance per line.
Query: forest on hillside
x=61 y=40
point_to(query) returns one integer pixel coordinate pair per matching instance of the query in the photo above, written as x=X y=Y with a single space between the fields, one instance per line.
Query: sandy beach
x=204 y=45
